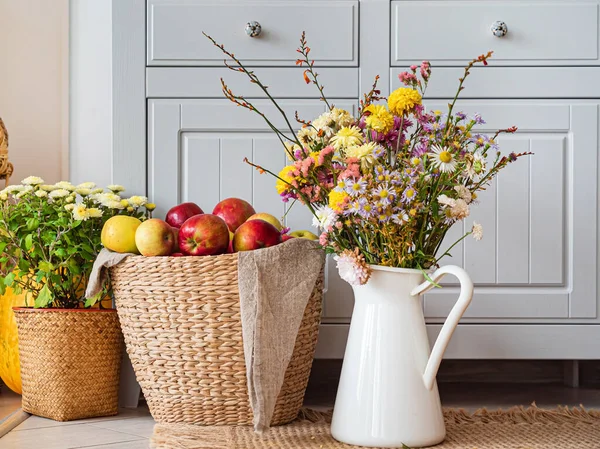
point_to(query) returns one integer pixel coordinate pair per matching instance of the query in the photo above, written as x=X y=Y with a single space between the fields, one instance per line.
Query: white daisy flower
x=59 y=193
x=32 y=181
x=477 y=231
x=87 y=185
x=80 y=212
x=307 y=135
x=137 y=201
x=324 y=218
x=115 y=188
x=443 y=159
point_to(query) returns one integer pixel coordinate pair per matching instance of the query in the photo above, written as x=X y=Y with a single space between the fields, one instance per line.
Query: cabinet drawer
x=175 y=31
x=453 y=32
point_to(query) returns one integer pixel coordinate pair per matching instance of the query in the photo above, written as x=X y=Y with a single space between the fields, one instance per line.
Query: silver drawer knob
x=499 y=29
x=253 y=28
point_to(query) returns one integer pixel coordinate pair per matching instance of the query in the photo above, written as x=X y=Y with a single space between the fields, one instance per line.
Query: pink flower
x=413 y=67
x=324 y=153
x=323 y=239
x=306 y=163
x=339 y=224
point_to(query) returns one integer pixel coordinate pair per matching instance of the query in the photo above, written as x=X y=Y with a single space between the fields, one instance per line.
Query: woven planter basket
x=70 y=362
x=180 y=317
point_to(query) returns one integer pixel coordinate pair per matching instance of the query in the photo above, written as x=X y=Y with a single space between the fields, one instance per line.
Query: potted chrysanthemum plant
x=384 y=187
x=69 y=347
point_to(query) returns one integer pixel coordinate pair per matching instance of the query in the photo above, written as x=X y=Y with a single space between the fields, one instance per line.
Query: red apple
x=234 y=211
x=176 y=235
x=255 y=234
x=177 y=255
x=178 y=214
x=154 y=237
x=203 y=235
x=286 y=237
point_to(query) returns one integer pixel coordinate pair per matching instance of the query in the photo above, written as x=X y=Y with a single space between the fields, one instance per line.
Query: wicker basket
x=70 y=362
x=181 y=321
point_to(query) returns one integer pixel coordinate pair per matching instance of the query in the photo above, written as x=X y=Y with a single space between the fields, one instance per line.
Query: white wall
x=91 y=91
x=34 y=86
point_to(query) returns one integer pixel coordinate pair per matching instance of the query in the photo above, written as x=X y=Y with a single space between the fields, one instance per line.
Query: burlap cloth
x=517 y=428
x=275 y=285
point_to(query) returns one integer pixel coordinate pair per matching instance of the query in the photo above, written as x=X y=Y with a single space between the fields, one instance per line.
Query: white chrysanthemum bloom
x=115 y=188
x=48 y=187
x=443 y=159
x=352 y=268
x=114 y=205
x=3 y=196
x=460 y=210
x=59 y=193
x=83 y=191
x=98 y=190
x=105 y=198
x=41 y=193
x=341 y=117
x=324 y=218
x=15 y=188
x=444 y=200
x=306 y=135
x=477 y=231
x=137 y=201
x=464 y=193
x=24 y=192
x=364 y=153
x=80 y=212
x=32 y=181
x=70 y=199
x=86 y=185
x=65 y=185
x=69 y=207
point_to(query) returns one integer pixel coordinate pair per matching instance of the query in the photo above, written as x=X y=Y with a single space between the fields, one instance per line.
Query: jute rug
x=516 y=428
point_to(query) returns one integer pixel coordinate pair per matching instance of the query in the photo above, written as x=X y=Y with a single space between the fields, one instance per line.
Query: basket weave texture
x=70 y=362
x=181 y=322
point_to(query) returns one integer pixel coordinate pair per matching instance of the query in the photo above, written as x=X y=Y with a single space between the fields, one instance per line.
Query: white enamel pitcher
x=387 y=395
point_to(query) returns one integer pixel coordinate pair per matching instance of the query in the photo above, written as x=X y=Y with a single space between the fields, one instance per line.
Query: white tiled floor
x=132 y=428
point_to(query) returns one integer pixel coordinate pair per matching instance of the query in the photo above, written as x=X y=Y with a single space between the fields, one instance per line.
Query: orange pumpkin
x=10 y=368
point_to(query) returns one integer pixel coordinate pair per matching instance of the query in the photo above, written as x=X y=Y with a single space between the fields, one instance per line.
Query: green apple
x=268 y=218
x=304 y=235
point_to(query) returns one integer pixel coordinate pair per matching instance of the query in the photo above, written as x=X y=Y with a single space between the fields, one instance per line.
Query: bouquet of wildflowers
x=50 y=237
x=385 y=186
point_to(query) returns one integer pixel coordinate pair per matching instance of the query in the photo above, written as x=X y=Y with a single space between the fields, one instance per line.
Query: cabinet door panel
x=537 y=260
x=196 y=153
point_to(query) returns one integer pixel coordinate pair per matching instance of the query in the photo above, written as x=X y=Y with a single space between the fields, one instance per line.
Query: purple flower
x=461 y=115
x=478 y=120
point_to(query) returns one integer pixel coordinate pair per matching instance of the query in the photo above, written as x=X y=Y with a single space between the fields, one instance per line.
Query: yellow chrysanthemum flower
x=286 y=175
x=315 y=157
x=403 y=100
x=379 y=118
x=337 y=200
x=347 y=137
x=94 y=212
x=364 y=153
x=150 y=206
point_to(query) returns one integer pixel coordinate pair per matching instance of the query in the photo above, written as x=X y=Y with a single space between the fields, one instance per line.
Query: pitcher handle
x=466 y=294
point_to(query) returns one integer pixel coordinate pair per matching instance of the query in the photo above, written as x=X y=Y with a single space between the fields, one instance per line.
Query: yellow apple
x=155 y=237
x=118 y=234
x=304 y=235
x=268 y=218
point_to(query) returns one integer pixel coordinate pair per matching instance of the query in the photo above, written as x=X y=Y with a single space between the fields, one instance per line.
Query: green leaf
x=44 y=297
x=2 y=247
x=9 y=279
x=17 y=289
x=28 y=241
x=45 y=266
x=2 y=288
x=94 y=299
x=32 y=224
